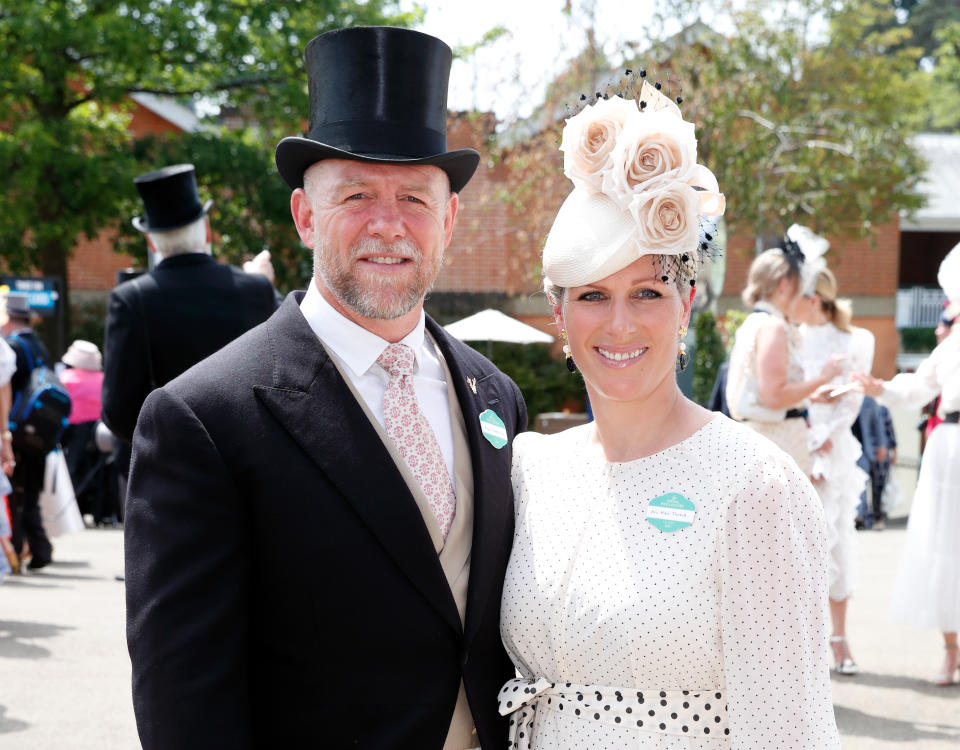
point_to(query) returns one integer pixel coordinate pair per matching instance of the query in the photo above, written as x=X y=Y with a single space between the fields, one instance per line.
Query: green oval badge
x=671 y=512
x=493 y=429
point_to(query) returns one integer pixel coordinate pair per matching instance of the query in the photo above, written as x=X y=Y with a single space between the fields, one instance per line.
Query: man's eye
x=413 y=199
x=355 y=196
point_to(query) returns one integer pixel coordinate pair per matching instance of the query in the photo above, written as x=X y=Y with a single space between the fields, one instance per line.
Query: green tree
x=67 y=68
x=805 y=127
x=708 y=355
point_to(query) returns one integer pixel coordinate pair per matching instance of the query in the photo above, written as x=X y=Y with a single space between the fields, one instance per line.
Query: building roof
x=941 y=184
x=169 y=110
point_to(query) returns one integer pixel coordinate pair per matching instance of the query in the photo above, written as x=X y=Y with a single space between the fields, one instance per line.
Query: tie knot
x=397 y=360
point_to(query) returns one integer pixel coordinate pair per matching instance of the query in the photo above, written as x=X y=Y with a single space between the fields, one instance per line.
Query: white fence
x=919 y=307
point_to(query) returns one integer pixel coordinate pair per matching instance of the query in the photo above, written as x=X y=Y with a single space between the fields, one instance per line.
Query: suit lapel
x=347 y=449
x=492 y=508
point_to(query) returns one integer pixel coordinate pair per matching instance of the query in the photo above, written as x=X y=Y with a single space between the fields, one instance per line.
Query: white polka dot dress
x=628 y=636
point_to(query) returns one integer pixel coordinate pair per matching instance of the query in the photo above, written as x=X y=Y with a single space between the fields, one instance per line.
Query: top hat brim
x=141 y=225
x=295 y=155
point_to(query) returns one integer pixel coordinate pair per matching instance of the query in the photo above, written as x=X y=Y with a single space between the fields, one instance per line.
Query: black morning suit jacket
x=189 y=307
x=282 y=588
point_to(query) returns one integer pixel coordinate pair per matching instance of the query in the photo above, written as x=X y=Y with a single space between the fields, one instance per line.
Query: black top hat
x=377 y=94
x=170 y=199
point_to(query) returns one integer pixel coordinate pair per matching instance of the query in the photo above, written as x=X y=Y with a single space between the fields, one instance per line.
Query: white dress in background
x=839 y=481
x=926 y=591
x=626 y=636
x=743 y=386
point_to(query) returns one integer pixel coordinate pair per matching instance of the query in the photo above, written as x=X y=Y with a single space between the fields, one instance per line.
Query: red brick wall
x=475 y=260
x=887 y=344
x=862 y=268
x=94 y=265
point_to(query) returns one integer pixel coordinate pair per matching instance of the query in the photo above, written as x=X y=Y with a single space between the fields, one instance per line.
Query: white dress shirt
x=356 y=350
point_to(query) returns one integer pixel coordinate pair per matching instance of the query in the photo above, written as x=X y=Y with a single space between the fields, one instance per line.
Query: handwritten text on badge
x=493 y=429
x=671 y=512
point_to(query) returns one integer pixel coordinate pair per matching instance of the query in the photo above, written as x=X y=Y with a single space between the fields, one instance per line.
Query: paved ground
x=64 y=673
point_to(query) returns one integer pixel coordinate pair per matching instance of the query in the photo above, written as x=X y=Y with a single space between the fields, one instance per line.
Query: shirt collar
x=353 y=344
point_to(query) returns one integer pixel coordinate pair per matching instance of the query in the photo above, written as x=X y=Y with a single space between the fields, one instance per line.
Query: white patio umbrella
x=493 y=325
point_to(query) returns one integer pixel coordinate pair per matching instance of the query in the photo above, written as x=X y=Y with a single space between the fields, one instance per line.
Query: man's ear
x=449 y=218
x=302 y=210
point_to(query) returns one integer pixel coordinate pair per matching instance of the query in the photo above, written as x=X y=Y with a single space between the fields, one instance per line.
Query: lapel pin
x=472 y=382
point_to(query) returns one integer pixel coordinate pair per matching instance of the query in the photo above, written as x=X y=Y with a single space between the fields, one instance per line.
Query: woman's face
x=624 y=331
x=804 y=309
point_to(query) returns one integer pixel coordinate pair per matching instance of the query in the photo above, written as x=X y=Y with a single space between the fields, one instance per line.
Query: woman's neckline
x=593 y=442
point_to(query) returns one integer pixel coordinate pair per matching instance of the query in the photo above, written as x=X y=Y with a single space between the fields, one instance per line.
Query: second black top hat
x=170 y=199
x=377 y=94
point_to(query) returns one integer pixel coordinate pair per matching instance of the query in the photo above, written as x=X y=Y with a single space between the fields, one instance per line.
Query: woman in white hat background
x=667 y=584
x=926 y=591
x=767 y=388
x=834 y=451
x=83 y=379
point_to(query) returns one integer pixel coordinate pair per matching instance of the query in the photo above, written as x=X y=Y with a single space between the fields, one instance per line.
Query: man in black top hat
x=188 y=307
x=316 y=536
x=27 y=479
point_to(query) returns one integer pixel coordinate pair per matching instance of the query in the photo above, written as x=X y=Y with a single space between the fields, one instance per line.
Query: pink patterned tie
x=411 y=433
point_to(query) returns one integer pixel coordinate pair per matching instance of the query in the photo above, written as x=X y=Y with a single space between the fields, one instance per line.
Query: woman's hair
x=765 y=273
x=840 y=311
x=681 y=273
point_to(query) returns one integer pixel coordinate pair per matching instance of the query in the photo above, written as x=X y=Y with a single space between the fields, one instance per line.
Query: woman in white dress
x=834 y=451
x=767 y=388
x=667 y=584
x=926 y=592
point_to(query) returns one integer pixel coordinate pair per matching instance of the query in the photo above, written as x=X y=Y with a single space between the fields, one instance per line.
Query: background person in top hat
x=297 y=576
x=167 y=320
x=27 y=478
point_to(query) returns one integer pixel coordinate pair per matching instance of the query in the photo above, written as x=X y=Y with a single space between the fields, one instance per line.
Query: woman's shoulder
x=740 y=453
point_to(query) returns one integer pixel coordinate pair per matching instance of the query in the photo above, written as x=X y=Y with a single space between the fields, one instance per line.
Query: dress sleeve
x=840 y=414
x=774 y=612
x=914 y=389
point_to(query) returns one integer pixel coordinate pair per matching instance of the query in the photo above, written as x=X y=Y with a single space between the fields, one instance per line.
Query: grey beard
x=374 y=299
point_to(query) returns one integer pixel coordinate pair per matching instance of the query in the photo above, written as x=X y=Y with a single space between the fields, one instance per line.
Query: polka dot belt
x=683 y=712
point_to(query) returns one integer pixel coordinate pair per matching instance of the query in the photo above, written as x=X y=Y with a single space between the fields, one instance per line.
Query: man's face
x=378 y=232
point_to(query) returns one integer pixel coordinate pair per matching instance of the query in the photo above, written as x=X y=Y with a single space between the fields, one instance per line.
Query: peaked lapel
x=492 y=504
x=348 y=450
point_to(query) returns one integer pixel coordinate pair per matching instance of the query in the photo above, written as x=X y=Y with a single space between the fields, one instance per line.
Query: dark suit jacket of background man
x=293 y=596
x=190 y=307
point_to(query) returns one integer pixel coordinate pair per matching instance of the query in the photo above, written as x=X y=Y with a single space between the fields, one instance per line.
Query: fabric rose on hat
x=667 y=219
x=589 y=139
x=654 y=149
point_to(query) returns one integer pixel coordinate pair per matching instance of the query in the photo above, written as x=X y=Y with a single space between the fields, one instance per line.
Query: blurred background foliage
x=804 y=111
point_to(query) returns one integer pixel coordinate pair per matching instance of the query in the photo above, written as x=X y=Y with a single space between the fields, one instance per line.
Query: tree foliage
x=67 y=68
x=805 y=127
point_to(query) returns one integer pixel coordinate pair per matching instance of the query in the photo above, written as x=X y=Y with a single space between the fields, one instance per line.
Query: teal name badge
x=671 y=512
x=493 y=429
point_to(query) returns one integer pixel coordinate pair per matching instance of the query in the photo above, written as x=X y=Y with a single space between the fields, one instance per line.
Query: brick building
x=93 y=266
x=507 y=209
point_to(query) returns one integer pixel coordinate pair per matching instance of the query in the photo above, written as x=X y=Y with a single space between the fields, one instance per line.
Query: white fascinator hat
x=948 y=277
x=638 y=190
x=805 y=250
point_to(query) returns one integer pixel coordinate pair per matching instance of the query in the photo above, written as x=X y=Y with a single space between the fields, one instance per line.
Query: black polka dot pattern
x=734 y=604
x=680 y=712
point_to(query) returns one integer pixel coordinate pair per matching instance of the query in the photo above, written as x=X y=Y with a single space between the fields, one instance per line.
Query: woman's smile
x=620 y=357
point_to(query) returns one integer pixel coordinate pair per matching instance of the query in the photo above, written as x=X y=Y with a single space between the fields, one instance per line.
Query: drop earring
x=682 y=358
x=568 y=355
